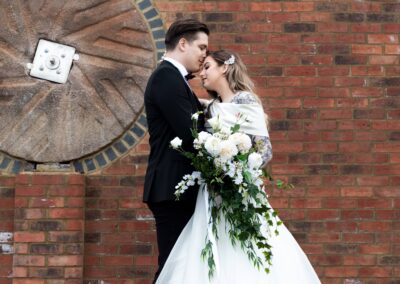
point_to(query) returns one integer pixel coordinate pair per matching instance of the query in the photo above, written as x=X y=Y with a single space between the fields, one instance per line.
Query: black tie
x=189 y=76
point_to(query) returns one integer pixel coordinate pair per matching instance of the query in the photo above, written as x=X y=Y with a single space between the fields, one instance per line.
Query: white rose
x=213 y=146
x=195 y=116
x=228 y=150
x=176 y=143
x=255 y=161
x=203 y=136
x=214 y=122
x=242 y=141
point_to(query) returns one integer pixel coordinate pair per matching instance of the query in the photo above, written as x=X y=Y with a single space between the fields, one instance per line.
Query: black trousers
x=171 y=217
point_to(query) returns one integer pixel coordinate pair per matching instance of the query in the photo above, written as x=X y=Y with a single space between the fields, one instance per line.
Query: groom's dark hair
x=187 y=28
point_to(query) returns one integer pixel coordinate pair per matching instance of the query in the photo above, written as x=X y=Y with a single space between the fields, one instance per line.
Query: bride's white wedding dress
x=185 y=266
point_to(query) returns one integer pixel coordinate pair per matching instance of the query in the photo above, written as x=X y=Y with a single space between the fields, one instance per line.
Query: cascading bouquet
x=229 y=167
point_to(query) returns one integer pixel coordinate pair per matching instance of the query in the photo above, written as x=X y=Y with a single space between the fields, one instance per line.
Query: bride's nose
x=202 y=74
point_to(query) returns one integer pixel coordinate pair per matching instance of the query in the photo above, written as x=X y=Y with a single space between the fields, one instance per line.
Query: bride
x=225 y=78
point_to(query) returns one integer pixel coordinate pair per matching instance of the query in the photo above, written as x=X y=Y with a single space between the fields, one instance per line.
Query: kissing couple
x=183 y=225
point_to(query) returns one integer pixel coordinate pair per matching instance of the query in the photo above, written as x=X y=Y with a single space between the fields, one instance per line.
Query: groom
x=170 y=103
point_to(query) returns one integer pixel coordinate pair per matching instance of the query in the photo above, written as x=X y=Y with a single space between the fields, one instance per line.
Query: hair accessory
x=230 y=61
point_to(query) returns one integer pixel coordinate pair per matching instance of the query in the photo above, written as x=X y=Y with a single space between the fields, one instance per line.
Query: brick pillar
x=6 y=228
x=49 y=228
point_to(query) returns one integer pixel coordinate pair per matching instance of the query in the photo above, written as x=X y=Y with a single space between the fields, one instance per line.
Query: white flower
x=213 y=146
x=203 y=136
x=242 y=141
x=176 y=143
x=228 y=150
x=196 y=144
x=231 y=169
x=214 y=122
x=255 y=160
x=195 y=116
x=238 y=179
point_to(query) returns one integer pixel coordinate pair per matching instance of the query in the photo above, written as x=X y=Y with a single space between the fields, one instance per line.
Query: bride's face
x=212 y=74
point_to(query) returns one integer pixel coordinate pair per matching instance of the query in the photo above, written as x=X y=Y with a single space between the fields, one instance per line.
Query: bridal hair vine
x=230 y=61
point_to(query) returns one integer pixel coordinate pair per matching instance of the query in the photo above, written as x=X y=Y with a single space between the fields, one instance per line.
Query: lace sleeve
x=261 y=143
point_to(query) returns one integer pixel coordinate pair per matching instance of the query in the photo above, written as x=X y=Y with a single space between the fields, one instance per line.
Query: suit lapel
x=193 y=98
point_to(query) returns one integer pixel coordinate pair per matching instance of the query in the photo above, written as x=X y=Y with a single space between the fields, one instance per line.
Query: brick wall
x=327 y=73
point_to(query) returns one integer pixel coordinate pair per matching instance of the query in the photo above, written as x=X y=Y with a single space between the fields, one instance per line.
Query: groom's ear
x=182 y=44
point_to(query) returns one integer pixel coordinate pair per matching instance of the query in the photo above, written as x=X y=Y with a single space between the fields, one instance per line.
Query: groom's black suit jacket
x=169 y=104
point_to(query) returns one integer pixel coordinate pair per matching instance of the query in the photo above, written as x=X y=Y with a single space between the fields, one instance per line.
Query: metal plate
x=41 y=121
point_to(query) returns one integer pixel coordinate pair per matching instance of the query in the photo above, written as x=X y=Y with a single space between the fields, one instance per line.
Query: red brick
x=386 y=125
x=300 y=71
x=19 y=272
x=341 y=271
x=341 y=226
x=328 y=27
x=356 y=260
x=320 y=125
x=323 y=192
x=383 y=60
x=22 y=179
x=28 y=281
x=366 y=7
x=374 y=203
x=356 y=191
x=365 y=28
x=392 y=49
x=383 y=38
x=73 y=272
x=336 y=135
x=65 y=260
x=29 y=260
x=117 y=260
x=266 y=7
x=318 y=82
x=29 y=191
x=284 y=103
x=373 y=181
x=285 y=60
x=319 y=38
x=282 y=17
x=338 y=203
x=323 y=215
x=290 y=169
x=230 y=6
x=333 y=71
x=336 y=114
x=320 y=147
x=324 y=237
x=367 y=70
x=375 y=272
x=349 y=82
x=358 y=124
x=317 y=59
x=375 y=249
x=318 y=103
x=46 y=202
x=358 y=238
x=28 y=237
x=306 y=203
x=44 y=179
x=288 y=147
x=298 y=7
x=315 y=17
x=66 y=213
x=366 y=49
